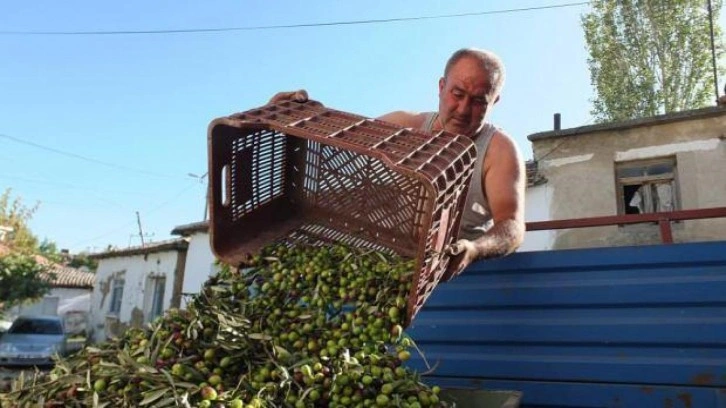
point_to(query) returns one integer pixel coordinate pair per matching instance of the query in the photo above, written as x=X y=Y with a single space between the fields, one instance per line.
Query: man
x=492 y=224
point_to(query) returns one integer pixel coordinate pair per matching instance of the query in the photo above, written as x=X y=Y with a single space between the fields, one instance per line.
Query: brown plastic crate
x=301 y=171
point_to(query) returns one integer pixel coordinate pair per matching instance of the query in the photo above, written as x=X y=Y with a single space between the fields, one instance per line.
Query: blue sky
x=132 y=111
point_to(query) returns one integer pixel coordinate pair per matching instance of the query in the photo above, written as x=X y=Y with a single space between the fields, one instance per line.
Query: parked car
x=4 y=325
x=33 y=341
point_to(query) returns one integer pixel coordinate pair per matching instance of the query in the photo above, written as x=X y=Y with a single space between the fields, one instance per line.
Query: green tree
x=82 y=259
x=16 y=215
x=49 y=250
x=649 y=57
x=22 y=278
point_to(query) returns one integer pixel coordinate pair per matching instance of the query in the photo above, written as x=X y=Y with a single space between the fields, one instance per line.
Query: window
x=646 y=186
x=117 y=293
x=36 y=326
x=155 y=303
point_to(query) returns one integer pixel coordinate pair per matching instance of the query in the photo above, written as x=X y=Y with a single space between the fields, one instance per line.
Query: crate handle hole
x=224 y=191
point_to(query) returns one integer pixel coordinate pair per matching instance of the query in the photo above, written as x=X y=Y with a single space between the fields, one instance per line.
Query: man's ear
x=442 y=82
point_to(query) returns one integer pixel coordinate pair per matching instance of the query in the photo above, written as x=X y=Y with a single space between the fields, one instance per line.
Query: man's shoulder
x=502 y=138
x=406 y=118
x=503 y=146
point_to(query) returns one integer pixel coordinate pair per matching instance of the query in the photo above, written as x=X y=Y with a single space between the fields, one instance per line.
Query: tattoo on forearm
x=502 y=239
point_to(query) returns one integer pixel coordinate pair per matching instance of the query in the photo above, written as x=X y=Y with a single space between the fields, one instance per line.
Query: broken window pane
x=633 y=198
x=646 y=186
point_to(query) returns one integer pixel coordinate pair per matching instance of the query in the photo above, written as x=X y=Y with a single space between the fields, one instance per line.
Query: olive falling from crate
x=304 y=172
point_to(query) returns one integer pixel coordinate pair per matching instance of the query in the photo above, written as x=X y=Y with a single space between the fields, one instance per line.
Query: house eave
x=629 y=124
x=177 y=244
x=188 y=229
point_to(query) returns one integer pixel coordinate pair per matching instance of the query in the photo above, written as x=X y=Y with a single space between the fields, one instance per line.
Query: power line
x=557 y=147
x=64 y=185
x=302 y=25
x=153 y=210
x=98 y=237
x=172 y=199
x=84 y=158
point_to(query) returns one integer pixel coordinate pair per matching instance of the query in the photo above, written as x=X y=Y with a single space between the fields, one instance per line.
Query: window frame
x=620 y=183
x=115 y=304
x=156 y=301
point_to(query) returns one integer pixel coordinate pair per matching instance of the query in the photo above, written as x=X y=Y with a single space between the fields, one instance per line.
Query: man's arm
x=503 y=181
x=405 y=119
x=300 y=95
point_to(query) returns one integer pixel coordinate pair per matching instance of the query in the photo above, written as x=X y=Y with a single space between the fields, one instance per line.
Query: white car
x=33 y=341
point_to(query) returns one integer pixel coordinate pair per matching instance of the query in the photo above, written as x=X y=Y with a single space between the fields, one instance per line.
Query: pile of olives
x=299 y=326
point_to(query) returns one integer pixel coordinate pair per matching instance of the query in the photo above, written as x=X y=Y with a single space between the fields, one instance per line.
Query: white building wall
x=538 y=201
x=199 y=264
x=73 y=300
x=135 y=270
x=49 y=304
x=65 y=302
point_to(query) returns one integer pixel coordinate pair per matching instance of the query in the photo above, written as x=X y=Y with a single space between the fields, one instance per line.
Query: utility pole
x=206 y=198
x=141 y=233
x=206 y=203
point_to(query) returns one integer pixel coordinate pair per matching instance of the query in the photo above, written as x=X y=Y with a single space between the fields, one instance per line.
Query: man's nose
x=464 y=107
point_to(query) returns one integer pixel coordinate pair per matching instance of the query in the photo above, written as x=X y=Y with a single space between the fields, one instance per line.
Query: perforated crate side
x=303 y=170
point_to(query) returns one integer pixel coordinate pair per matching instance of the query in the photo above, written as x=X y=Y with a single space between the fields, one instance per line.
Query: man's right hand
x=296 y=96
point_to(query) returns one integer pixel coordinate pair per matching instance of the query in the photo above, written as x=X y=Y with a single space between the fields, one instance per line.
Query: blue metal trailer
x=640 y=326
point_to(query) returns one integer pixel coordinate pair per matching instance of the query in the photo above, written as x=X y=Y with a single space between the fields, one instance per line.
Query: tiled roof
x=65 y=277
x=72 y=278
x=534 y=178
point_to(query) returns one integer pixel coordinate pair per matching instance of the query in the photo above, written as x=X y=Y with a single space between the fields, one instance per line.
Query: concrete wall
x=581 y=169
x=199 y=265
x=135 y=269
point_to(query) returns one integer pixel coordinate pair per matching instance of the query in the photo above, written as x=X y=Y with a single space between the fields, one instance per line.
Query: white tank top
x=476 y=217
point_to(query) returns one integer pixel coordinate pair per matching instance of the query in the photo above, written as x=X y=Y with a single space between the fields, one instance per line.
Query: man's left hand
x=463 y=252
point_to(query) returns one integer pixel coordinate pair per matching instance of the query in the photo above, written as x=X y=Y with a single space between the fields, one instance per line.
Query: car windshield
x=31 y=326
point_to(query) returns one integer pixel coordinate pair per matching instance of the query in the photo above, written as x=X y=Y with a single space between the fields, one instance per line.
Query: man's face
x=464 y=97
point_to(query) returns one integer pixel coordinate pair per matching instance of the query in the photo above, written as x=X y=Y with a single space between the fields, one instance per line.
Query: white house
x=538 y=197
x=134 y=285
x=200 y=262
